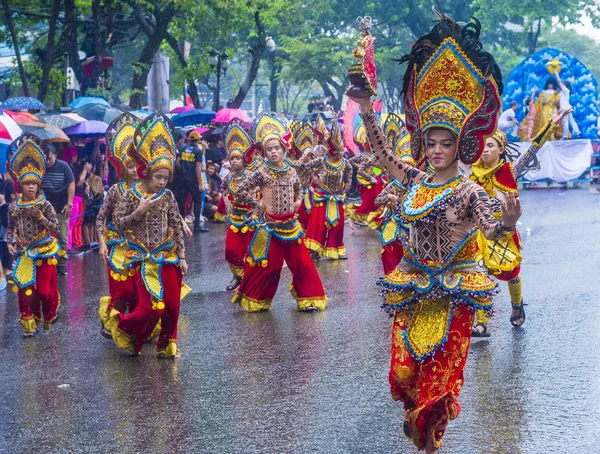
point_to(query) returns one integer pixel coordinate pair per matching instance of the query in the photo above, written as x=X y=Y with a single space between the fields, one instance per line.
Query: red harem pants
x=139 y=324
x=367 y=204
x=44 y=300
x=391 y=255
x=260 y=283
x=236 y=248
x=429 y=390
x=221 y=213
x=327 y=242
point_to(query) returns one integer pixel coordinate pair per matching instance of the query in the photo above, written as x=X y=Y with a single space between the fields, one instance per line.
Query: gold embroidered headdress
x=361 y=139
x=304 y=138
x=336 y=141
x=452 y=83
x=500 y=137
x=119 y=138
x=237 y=142
x=269 y=126
x=26 y=161
x=393 y=128
x=402 y=149
x=320 y=128
x=154 y=145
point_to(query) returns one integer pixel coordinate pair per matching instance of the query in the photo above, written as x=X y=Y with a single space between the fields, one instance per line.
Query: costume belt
x=44 y=246
x=285 y=230
x=332 y=213
x=151 y=263
x=392 y=228
x=364 y=182
x=239 y=216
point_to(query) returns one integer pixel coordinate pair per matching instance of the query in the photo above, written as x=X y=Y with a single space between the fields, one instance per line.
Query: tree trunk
x=159 y=33
x=274 y=80
x=49 y=55
x=13 y=35
x=191 y=85
x=71 y=14
x=256 y=53
x=337 y=96
x=533 y=37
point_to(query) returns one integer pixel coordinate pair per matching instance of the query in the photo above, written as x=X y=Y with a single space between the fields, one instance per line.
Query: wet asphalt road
x=288 y=382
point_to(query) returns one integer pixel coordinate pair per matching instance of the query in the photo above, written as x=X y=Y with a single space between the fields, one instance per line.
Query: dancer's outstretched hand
x=557 y=118
x=103 y=252
x=511 y=210
x=183 y=266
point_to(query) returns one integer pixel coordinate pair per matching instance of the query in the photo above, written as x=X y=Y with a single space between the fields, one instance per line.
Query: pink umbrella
x=228 y=115
x=9 y=129
x=180 y=109
x=201 y=130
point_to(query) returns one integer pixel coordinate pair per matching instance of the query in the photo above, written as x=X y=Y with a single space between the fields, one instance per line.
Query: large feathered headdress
x=269 y=126
x=238 y=143
x=361 y=139
x=304 y=138
x=26 y=162
x=154 y=145
x=320 y=128
x=402 y=149
x=452 y=83
x=336 y=141
x=393 y=128
x=119 y=138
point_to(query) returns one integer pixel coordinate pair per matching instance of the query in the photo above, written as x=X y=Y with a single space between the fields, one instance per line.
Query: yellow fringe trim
x=122 y=340
x=332 y=253
x=219 y=217
x=103 y=310
x=237 y=271
x=29 y=323
x=318 y=302
x=170 y=351
x=250 y=304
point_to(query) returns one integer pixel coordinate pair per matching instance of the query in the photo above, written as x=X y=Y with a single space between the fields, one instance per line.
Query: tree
x=15 y=44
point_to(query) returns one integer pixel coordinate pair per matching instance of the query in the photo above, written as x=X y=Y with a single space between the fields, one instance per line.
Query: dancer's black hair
x=467 y=37
x=550 y=80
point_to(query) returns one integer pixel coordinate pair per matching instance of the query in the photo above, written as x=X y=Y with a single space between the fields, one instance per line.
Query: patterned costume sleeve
x=347 y=175
x=50 y=220
x=107 y=208
x=354 y=160
x=246 y=190
x=537 y=142
x=297 y=187
x=365 y=163
x=485 y=221
x=124 y=218
x=11 y=224
x=175 y=221
x=383 y=197
x=306 y=169
x=224 y=187
x=404 y=173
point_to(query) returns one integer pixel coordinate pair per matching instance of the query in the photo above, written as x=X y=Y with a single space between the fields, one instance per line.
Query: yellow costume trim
x=170 y=351
x=428 y=325
x=29 y=323
x=103 y=310
x=515 y=289
x=219 y=217
x=318 y=302
x=250 y=304
x=486 y=177
x=375 y=218
x=237 y=271
x=499 y=255
x=122 y=340
x=329 y=252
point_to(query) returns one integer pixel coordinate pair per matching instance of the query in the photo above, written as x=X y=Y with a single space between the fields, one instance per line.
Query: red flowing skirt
x=326 y=240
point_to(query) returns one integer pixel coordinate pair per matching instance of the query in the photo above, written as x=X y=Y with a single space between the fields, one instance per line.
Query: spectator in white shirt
x=564 y=104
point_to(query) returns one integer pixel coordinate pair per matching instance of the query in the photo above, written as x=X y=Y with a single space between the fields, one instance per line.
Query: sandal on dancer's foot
x=476 y=333
x=406 y=430
x=30 y=333
x=519 y=316
x=235 y=283
x=106 y=333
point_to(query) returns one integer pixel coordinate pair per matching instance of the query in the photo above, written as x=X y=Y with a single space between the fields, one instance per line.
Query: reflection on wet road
x=288 y=382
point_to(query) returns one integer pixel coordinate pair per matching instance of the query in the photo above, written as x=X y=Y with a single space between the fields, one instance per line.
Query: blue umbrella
x=85 y=100
x=193 y=117
x=23 y=103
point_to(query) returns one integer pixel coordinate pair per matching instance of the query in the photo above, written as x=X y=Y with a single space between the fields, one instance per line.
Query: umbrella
x=9 y=129
x=201 y=130
x=87 y=128
x=141 y=114
x=85 y=100
x=23 y=103
x=20 y=117
x=4 y=144
x=88 y=65
x=193 y=117
x=45 y=132
x=228 y=115
x=63 y=120
x=98 y=112
x=181 y=109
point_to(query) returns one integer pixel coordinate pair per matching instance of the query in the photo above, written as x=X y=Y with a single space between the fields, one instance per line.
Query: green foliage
x=34 y=73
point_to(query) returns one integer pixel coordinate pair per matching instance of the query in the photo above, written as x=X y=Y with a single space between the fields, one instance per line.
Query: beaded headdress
x=304 y=138
x=269 y=126
x=320 y=128
x=26 y=162
x=154 y=145
x=402 y=149
x=237 y=142
x=500 y=137
x=119 y=137
x=336 y=141
x=452 y=83
x=393 y=128
x=361 y=139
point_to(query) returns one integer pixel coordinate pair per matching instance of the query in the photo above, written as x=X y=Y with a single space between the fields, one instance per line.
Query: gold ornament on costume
x=269 y=126
x=154 y=145
x=237 y=141
x=119 y=137
x=363 y=74
x=500 y=137
x=26 y=161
